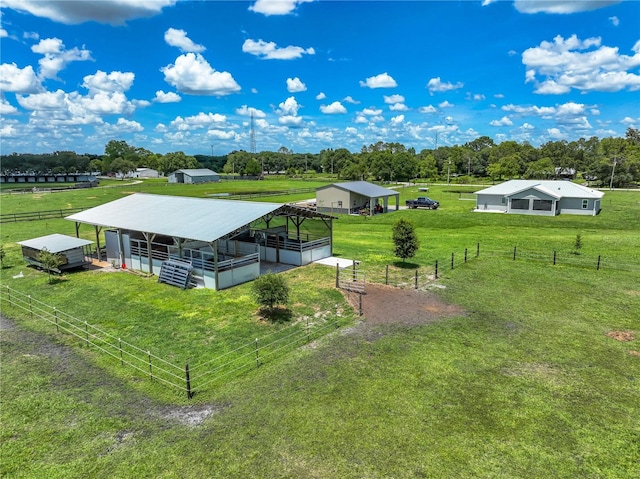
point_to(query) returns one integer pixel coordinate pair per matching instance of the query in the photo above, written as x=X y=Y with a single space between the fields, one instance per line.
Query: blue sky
x=172 y=75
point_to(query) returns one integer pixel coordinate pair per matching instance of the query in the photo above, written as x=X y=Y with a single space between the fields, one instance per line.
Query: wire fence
x=185 y=379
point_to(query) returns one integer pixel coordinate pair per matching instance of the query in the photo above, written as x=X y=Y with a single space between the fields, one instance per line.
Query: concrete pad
x=332 y=261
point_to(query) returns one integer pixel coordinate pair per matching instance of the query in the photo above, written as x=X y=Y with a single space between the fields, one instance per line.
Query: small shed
x=354 y=197
x=74 y=251
x=539 y=197
x=194 y=176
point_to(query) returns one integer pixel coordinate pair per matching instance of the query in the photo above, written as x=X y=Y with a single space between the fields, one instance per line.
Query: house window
x=542 y=205
x=504 y=200
x=585 y=204
x=520 y=204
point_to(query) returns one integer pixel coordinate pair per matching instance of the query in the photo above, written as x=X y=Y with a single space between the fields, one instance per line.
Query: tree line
x=604 y=162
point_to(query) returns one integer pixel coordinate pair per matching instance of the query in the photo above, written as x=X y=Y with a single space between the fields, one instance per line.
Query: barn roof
x=181 y=217
x=55 y=243
x=197 y=172
x=363 y=188
x=564 y=189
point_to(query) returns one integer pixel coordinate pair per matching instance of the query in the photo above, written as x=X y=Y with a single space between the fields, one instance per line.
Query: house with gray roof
x=194 y=176
x=225 y=242
x=539 y=197
x=353 y=197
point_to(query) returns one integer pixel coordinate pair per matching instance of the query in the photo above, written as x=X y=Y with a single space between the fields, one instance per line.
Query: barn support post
x=77 y=229
x=214 y=247
x=337 y=275
x=452 y=261
x=98 y=229
x=149 y=237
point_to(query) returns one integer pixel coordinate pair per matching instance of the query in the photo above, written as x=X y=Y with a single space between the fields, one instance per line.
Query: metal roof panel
x=55 y=243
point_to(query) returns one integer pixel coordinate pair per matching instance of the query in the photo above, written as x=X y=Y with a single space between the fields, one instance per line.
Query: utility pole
x=211 y=150
x=615 y=159
x=448 y=171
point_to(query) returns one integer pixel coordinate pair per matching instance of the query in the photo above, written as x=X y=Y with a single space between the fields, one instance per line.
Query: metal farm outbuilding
x=194 y=176
x=354 y=197
x=72 y=250
x=225 y=242
x=539 y=197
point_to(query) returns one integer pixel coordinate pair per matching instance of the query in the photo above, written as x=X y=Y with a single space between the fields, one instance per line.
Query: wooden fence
x=187 y=379
x=38 y=215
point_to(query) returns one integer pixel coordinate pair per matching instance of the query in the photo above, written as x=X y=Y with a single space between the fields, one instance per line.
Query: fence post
x=465 y=255
x=55 y=315
x=308 y=338
x=416 y=280
x=514 y=253
x=386 y=275
x=436 y=275
x=452 y=262
x=257 y=358
x=150 y=370
x=360 y=303
x=337 y=275
x=9 y=294
x=186 y=372
x=478 y=250
x=355 y=277
x=554 y=258
x=120 y=348
x=598 y=267
x=86 y=332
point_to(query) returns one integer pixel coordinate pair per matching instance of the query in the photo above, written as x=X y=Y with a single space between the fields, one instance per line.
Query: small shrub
x=270 y=290
x=50 y=261
x=405 y=239
x=577 y=246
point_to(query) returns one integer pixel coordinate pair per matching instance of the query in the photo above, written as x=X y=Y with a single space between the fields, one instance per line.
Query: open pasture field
x=538 y=377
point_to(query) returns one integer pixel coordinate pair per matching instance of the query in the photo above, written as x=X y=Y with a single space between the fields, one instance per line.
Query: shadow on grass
x=276 y=315
x=405 y=265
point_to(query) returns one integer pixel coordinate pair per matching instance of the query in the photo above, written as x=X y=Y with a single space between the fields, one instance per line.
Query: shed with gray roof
x=72 y=250
x=354 y=197
x=539 y=197
x=224 y=240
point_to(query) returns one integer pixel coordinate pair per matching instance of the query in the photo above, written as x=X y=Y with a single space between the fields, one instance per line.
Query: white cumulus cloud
x=18 y=80
x=178 y=38
x=115 y=12
x=245 y=110
x=436 y=85
x=561 y=6
x=56 y=57
x=390 y=99
x=192 y=74
x=109 y=82
x=334 y=108
x=321 y=96
x=383 y=80
x=295 y=85
x=504 y=121
x=271 y=51
x=561 y=65
x=170 y=97
x=276 y=7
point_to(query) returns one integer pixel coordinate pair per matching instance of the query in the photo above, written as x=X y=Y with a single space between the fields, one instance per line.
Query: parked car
x=423 y=202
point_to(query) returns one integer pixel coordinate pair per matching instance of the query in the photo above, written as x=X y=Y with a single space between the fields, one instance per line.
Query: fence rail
x=38 y=215
x=233 y=363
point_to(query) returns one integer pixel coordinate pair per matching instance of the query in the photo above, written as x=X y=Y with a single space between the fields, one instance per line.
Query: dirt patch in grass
x=388 y=305
x=635 y=353
x=622 y=335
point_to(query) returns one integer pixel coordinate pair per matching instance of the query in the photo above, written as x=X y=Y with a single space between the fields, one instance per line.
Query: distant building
x=146 y=173
x=47 y=178
x=539 y=197
x=194 y=176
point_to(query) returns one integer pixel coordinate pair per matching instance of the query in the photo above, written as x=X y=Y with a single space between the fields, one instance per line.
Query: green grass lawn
x=525 y=384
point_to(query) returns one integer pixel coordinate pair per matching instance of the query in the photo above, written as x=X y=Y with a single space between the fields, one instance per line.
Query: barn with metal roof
x=194 y=176
x=353 y=197
x=225 y=241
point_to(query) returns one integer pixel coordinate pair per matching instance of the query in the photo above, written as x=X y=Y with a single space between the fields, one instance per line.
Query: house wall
x=573 y=206
x=327 y=200
x=491 y=203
